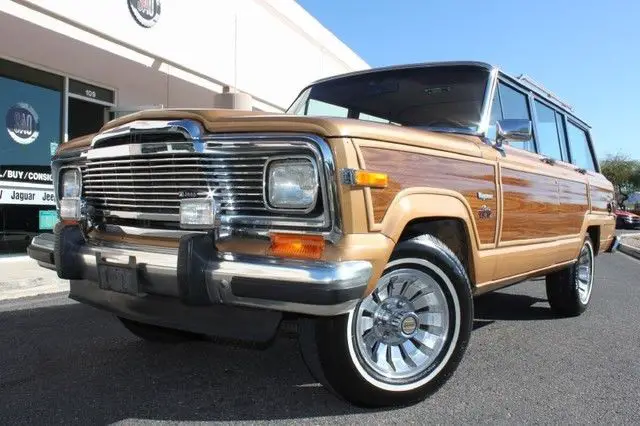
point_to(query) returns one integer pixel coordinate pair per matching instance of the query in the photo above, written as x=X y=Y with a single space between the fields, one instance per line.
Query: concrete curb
x=21 y=276
x=629 y=250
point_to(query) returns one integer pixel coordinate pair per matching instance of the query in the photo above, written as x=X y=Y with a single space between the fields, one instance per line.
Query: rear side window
x=579 y=145
x=550 y=132
x=515 y=104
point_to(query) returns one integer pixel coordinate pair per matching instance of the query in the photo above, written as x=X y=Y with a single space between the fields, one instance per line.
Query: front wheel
x=404 y=340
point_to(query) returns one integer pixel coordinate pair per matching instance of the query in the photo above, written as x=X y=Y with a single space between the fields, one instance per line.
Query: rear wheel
x=404 y=340
x=569 y=290
x=154 y=333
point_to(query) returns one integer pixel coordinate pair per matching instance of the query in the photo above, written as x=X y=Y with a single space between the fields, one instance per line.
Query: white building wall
x=267 y=48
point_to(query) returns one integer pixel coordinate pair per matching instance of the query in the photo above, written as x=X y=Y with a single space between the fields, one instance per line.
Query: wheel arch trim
x=412 y=205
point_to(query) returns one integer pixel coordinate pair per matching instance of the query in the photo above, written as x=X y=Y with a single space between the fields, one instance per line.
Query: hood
x=235 y=121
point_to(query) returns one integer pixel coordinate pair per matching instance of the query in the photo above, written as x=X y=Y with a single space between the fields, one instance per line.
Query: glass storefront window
x=32 y=117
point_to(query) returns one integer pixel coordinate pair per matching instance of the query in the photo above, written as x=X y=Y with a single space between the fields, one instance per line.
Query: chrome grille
x=151 y=183
x=134 y=182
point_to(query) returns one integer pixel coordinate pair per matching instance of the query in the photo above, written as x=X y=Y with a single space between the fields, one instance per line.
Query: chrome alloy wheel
x=584 y=273
x=401 y=330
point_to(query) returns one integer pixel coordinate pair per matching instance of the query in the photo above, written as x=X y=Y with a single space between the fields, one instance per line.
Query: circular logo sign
x=23 y=124
x=145 y=12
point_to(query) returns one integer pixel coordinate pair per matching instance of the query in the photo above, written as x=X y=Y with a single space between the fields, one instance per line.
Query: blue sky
x=586 y=52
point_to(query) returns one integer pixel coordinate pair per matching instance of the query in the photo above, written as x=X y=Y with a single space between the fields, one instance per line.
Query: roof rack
x=528 y=80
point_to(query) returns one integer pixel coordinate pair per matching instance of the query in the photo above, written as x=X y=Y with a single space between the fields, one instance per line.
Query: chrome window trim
x=546 y=103
x=569 y=120
x=487 y=104
x=522 y=86
x=528 y=101
x=265 y=182
x=478 y=64
x=485 y=113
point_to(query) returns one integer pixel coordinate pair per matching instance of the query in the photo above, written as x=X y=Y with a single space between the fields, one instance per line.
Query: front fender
x=427 y=203
x=415 y=203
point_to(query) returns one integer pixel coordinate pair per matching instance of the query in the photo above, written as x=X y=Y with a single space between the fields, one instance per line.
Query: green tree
x=624 y=174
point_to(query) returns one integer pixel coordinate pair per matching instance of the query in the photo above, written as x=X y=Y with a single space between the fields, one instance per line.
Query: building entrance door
x=85 y=117
x=87 y=108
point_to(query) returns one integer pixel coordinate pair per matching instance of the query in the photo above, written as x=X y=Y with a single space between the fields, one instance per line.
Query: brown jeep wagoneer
x=371 y=212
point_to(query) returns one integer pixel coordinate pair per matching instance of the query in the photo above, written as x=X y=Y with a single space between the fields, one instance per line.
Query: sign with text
x=90 y=91
x=26 y=196
x=29 y=174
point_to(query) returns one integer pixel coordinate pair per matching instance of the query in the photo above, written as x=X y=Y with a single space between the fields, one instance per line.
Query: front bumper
x=196 y=274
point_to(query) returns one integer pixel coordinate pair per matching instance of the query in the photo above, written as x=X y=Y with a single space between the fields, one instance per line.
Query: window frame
x=567 y=117
x=537 y=98
x=587 y=133
x=527 y=94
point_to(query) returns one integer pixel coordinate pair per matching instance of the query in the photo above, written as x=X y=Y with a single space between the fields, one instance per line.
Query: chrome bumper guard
x=196 y=278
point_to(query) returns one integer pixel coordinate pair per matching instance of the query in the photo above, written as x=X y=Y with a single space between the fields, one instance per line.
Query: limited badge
x=23 y=123
x=188 y=194
x=145 y=12
x=484 y=196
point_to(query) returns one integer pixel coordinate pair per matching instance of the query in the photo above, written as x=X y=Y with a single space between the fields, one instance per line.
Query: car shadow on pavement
x=73 y=364
x=500 y=306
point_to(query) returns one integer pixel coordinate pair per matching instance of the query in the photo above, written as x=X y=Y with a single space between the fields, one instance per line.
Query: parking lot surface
x=65 y=363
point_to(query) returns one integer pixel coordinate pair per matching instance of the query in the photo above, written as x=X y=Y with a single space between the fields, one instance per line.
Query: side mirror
x=513 y=129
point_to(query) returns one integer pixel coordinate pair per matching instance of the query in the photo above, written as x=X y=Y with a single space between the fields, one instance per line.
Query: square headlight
x=292 y=183
x=70 y=183
x=198 y=213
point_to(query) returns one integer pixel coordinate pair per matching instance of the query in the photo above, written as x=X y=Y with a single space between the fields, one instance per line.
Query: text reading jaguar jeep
x=372 y=212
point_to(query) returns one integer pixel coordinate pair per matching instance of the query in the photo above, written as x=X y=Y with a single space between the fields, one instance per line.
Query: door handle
x=548 y=160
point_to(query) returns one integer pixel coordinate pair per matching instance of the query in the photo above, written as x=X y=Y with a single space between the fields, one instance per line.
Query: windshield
x=441 y=97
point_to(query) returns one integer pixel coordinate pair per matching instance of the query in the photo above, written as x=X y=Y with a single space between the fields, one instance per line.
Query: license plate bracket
x=118 y=277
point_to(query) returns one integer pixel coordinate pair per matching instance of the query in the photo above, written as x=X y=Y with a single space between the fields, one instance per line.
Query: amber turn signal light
x=294 y=245
x=371 y=179
x=365 y=178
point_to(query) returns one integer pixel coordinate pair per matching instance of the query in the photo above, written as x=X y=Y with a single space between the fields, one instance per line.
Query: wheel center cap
x=409 y=325
x=395 y=321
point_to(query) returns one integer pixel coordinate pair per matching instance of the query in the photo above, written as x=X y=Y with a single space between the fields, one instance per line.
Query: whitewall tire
x=404 y=340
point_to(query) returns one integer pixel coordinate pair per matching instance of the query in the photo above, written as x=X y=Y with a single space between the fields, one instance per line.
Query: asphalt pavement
x=65 y=363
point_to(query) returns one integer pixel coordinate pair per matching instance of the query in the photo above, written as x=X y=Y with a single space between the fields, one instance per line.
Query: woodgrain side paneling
x=530 y=205
x=408 y=170
x=600 y=199
x=573 y=206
